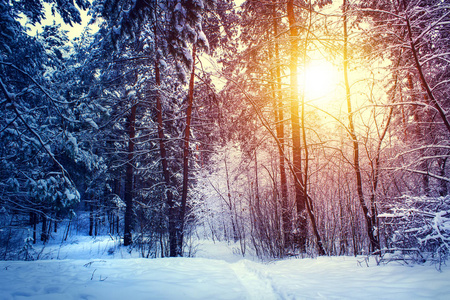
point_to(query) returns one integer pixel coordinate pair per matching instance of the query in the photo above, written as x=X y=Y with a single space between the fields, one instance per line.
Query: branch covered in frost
x=46 y=93
x=11 y=100
x=419 y=222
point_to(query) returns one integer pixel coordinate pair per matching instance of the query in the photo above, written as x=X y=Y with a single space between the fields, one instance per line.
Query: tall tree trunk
x=230 y=205
x=368 y=214
x=91 y=219
x=127 y=238
x=278 y=110
x=55 y=226
x=44 y=233
x=376 y=166
x=187 y=133
x=33 y=221
x=300 y=197
x=165 y=168
x=443 y=190
x=308 y=202
x=162 y=150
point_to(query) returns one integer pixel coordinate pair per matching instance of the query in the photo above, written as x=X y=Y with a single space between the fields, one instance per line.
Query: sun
x=319 y=81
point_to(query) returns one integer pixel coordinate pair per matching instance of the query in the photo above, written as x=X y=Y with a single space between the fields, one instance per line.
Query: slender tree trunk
x=33 y=218
x=117 y=224
x=163 y=153
x=376 y=167
x=165 y=168
x=187 y=133
x=278 y=109
x=443 y=190
x=304 y=203
x=300 y=197
x=66 y=232
x=114 y=213
x=96 y=219
x=127 y=239
x=230 y=205
x=44 y=234
x=308 y=202
x=418 y=135
x=376 y=176
x=91 y=219
x=374 y=243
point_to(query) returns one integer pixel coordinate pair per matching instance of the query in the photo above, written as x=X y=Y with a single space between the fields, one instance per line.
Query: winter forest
x=287 y=128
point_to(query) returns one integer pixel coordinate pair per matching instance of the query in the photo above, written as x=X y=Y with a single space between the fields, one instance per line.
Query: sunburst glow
x=319 y=81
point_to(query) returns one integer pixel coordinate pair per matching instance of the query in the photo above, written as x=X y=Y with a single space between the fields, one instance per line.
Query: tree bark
x=127 y=237
x=44 y=234
x=163 y=153
x=33 y=221
x=369 y=216
x=187 y=133
x=165 y=169
x=91 y=219
x=300 y=197
x=278 y=110
x=308 y=200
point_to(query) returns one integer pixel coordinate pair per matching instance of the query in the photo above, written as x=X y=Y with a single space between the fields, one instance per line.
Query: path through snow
x=215 y=274
x=256 y=284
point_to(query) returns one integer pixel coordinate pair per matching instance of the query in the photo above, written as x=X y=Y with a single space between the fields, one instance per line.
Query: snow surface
x=99 y=269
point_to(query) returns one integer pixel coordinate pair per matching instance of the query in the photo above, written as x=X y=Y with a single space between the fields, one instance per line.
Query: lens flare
x=319 y=81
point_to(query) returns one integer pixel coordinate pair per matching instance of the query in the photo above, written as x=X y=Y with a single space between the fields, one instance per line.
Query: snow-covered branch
x=11 y=97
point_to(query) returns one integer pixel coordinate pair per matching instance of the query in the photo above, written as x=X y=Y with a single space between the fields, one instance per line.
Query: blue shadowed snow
x=89 y=271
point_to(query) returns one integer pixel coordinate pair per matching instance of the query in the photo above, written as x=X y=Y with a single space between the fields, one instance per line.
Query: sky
x=73 y=31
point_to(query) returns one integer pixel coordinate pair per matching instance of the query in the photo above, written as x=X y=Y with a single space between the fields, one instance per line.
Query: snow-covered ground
x=98 y=269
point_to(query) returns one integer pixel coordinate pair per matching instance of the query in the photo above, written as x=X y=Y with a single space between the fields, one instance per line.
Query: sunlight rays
x=319 y=81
